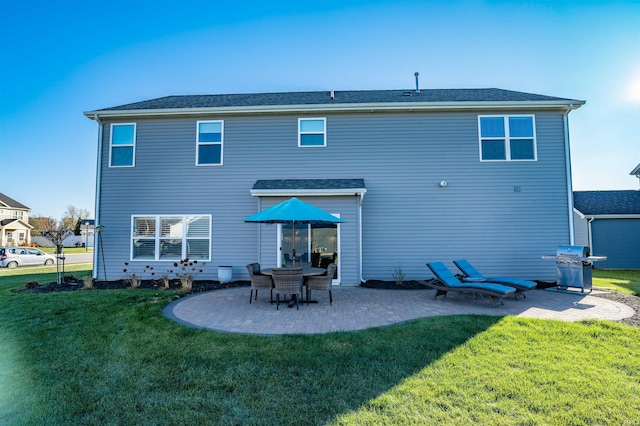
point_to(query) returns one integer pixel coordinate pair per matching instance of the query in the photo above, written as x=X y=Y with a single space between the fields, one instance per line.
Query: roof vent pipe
x=333 y=94
x=417 y=82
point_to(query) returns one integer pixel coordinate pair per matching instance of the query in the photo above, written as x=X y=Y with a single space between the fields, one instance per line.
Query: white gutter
x=97 y=205
x=355 y=107
x=572 y=236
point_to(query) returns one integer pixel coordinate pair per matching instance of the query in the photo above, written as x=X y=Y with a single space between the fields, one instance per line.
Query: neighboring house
x=636 y=172
x=417 y=176
x=14 y=222
x=609 y=223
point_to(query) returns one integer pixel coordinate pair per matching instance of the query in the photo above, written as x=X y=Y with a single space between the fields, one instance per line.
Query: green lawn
x=617 y=280
x=110 y=357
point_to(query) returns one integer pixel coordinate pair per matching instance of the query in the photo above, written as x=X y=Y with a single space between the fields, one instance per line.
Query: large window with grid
x=507 y=137
x=171 y=237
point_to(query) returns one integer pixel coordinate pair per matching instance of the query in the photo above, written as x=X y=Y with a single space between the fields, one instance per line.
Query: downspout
x=97 y=206
x=360 y=237
x=572 y=236
x=589 y=235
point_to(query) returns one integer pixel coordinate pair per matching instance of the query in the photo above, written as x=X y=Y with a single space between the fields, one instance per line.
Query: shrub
x=133 y=278
x=32 y=284
x=187 y=273
x=398 y=274
x=88 y=283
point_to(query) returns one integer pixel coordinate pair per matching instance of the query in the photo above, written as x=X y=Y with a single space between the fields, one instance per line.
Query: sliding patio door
x=315 y=245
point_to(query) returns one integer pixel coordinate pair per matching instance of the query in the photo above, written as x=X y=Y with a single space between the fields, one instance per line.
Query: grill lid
x=572 y=251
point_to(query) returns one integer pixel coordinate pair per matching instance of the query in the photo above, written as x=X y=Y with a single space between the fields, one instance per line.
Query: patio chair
x=322 y=282
x=520 y=285
x=287 y=281
x=448 y=282
x=258 y=280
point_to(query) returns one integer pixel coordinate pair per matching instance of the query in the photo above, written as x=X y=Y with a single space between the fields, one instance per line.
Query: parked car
x=10 y=257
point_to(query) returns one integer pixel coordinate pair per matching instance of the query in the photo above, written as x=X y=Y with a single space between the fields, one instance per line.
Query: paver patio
x=357 y=308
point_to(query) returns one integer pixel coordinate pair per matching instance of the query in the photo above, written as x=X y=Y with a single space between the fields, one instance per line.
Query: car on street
x=10 y=257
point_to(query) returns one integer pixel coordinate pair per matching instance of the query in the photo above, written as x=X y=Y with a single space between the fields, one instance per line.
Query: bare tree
x=73 y=214
x=56 y=233
x=41 y=224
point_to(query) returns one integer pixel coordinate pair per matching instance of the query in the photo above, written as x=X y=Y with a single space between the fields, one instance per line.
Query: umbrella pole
x=293 y=239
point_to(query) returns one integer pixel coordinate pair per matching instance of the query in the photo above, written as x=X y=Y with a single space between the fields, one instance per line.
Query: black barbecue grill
x=574 y=267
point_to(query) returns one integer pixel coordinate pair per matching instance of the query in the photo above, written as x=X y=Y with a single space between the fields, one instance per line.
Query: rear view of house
x=416 y=175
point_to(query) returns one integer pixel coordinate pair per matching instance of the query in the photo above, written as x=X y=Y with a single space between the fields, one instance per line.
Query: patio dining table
x=307 y=271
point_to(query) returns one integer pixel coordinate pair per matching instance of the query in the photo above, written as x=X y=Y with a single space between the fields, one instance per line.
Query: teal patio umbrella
x=294 y=211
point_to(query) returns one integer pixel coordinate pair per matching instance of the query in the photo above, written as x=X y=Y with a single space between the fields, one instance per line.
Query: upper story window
x=123 y=144
x=312 y=132
x=171 y=237
x=507 y=138
x=209 y=143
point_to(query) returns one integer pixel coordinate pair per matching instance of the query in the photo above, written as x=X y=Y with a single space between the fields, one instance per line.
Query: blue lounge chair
x=520 y=285
x=448 y=282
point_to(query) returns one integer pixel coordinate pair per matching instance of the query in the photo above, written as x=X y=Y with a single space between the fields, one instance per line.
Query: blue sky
x=61 y=58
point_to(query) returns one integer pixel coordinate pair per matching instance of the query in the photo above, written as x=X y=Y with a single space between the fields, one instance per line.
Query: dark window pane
x=209 y=154
x=122 y=156
x=492 y=127
x=521 y=127
x=311 y=140
x=144 y=249
x=198 y=249
x=522 y=149
x=493 y=150
x=170 y=249
x=210 y=137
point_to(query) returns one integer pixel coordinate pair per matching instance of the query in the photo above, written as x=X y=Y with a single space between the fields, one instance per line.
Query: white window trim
x=198 y=143
x=507 y=138
x=157 y=237
x=323 y=133
x=135 y=136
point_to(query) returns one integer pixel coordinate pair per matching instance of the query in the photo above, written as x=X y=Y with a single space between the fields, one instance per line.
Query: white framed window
x=507 y=137
x=209 y=143
x=122 y=146
x=312 y=132
x=170 y=237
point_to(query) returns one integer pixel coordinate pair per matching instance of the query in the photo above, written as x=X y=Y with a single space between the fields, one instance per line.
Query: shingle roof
x=309 y=184
x=593 y=203
x=10 y=202
x=340 y=97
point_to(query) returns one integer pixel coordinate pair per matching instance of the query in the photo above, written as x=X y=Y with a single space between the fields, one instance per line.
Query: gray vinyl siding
x=618 y=240
x=406 y=216
x=581 y=227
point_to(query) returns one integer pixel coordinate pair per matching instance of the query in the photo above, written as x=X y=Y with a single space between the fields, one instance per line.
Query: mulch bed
x=200 y=286
x=72 y=285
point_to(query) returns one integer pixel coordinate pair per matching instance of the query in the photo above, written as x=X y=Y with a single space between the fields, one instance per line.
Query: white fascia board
x=613 y=216
x=307 y=192
x=320 y=108
x=579 y=213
